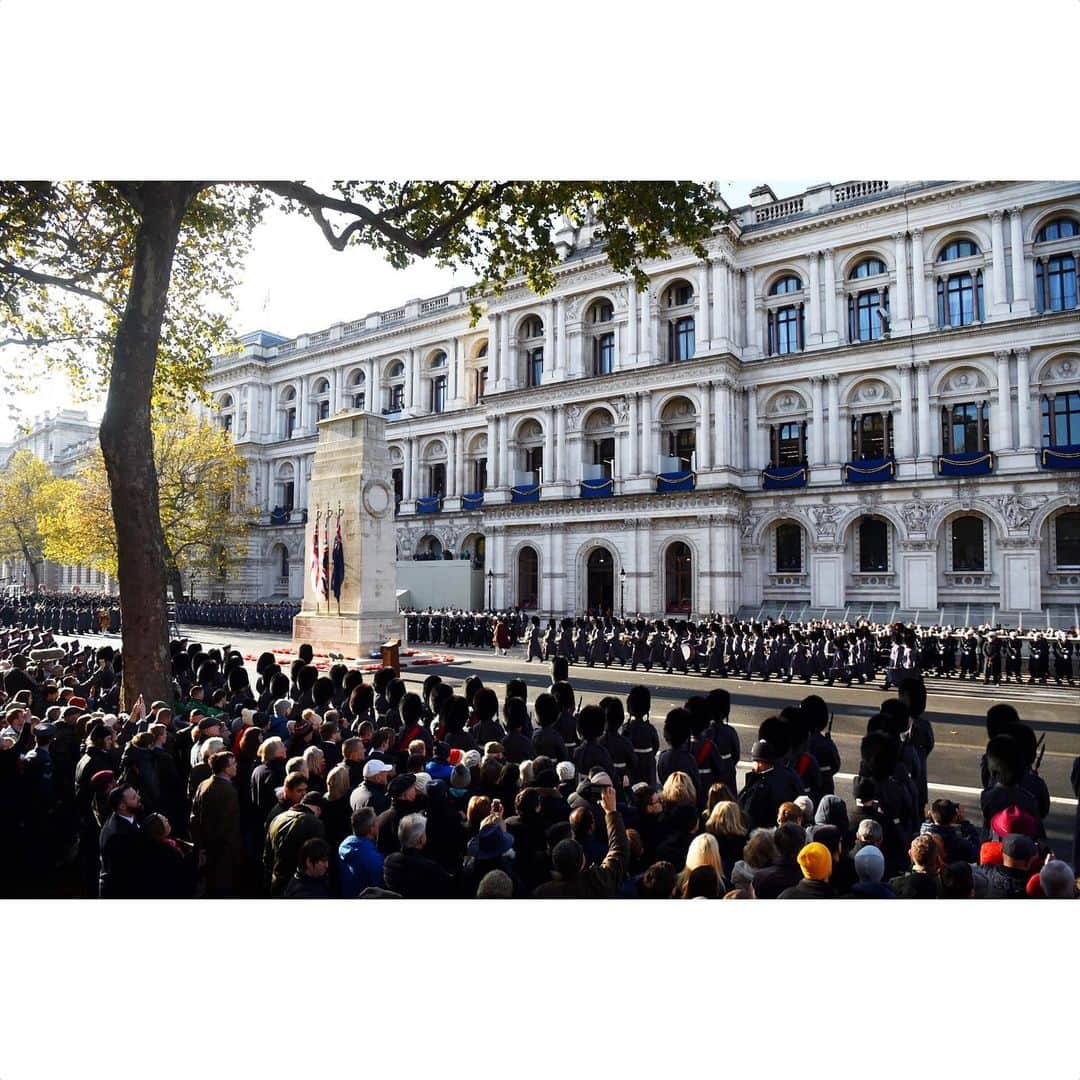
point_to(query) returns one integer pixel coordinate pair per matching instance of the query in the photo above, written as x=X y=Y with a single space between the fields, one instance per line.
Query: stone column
x=1004 y=411
x=702 y=329
x=918 y=282
x=560 y=444
x=900 y=311
x=1020 y=304
x=645 y=354
x=419 y=404
x=253 y=429
x=549 y=343
x=704 y=457
x=905 y=424
x=999 y=304
x=456 y=380
x=373 y=388
x=725 y=415
x=560 y=340
x=751 y=332
x=492 y=460
x=407 y=473
x=549 y=445
x=635 y=441
x=1023 y=397
x=828 y=256
x=817 y=431
x=836 y=446
x=459 y=465
x=813 y=335
x=631 y=323
x=577 y=342
x=922 y=379
x=494 y=361
x=648 y=435
x=507 y=372
x=753 y=435
x=721 y=324
x=409 y=383
x=505 y=477
x=302 y=421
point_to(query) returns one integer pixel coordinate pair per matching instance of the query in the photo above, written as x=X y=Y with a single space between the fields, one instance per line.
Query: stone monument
x=351 y=477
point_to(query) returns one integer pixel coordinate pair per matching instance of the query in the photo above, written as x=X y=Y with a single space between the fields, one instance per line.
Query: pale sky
x=295 y=283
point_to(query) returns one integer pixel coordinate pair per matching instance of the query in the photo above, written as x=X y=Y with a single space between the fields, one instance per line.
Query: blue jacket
x=361 y=865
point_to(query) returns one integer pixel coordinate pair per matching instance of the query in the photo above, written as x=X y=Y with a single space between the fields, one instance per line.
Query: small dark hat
x=491 y=842
x=400 y=784
x=1018 y=846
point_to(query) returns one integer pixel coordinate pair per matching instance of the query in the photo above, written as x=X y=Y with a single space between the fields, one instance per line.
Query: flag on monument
x=324 y=580
x=338 y=575
x=315 y=557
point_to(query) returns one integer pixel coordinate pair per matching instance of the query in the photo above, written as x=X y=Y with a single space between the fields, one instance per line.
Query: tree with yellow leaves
x=202 y=480
x=27 y=489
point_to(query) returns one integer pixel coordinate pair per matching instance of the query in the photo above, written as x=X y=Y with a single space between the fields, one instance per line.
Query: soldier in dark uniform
x=992 y=659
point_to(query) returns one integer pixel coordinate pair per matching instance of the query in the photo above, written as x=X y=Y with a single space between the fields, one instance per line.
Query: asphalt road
x=957 y=711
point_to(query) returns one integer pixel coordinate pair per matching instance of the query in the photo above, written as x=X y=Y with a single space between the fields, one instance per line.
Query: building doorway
x=600 y=581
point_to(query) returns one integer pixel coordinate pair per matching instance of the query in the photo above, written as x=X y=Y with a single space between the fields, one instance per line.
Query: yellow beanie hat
x=815 y=862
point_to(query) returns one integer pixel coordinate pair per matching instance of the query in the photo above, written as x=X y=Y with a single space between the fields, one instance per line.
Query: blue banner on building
x=675 y=481
x=527 y=494
x=473 y=501
x=872 y=471
x=1060 y=457
x=794 y=476
x=597 y=489
x=429 y=504
x=974 y=464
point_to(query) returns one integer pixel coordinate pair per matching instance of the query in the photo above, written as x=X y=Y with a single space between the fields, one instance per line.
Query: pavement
x=956 y=709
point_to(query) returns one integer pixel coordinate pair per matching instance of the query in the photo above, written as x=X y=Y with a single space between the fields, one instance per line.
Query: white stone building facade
x=906 y=355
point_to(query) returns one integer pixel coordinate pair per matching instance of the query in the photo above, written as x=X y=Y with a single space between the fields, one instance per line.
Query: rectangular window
x=789 y=445
x=480 y=474
x=534 y=367
x=787 y=330
x=604 y=454
x=287 y=495
x=437 y=479
x=481 y=384
x=871 y=436
x=681 y=444
x=398 y=477
x=534 y=459
x=226 y=421
x=324 y=410
x=358 y=401
x=397 y=398
x=290 y=423
x=683 y=338
x=604 y=354
x=438 y=394
x=788 y=548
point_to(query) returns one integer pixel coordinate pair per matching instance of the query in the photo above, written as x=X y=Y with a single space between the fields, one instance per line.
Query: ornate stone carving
x=573 y=417
x=916 y=515
x=825 y=520
x=918 y=545
x=1018 y=510
x=621 y=406
x=748 y=522
x=573 y=308
x=820 y=548
x=407 y=538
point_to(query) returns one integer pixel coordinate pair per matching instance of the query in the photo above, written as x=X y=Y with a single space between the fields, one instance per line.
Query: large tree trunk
x=127 y=446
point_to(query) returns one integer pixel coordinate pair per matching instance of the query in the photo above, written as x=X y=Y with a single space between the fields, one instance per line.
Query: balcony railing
x=783 y=209
x=281 y=515
x=858 y=189
x=394 y=316
x=437 y=303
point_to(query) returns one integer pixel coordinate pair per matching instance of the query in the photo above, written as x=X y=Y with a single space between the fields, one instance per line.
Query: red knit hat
x=990 y=854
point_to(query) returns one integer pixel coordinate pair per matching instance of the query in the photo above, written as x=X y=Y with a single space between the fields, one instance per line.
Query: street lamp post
x=622 y=594
x=491 y=587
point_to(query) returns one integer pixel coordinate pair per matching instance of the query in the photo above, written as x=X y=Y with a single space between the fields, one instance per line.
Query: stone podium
x=351 y=473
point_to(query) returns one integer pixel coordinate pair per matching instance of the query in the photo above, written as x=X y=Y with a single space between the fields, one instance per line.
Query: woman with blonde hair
x=703 y=851
x=315 y=762
x=727 y=824
x=336 y=815
x=478 y=809
x=678 y=790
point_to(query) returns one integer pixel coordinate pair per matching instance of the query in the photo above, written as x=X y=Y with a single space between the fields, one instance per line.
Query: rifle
x=1041 y=747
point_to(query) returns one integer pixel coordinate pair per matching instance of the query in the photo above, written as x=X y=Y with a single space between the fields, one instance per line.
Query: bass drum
x=688 y=651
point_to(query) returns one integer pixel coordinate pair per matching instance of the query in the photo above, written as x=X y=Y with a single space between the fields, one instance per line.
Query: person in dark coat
x=572 y=879
x=286 y=836
x=815 y=863
x=121 y=847
x=784 y=872
x=768 y=786
x=311 y=880
x=1020 y=859
x=590 y=753
x=408 y=871
x=216 y=828
x=921 y=882
x=403 y=794
x=167 y=867
x=678 y=757
x=870 y=869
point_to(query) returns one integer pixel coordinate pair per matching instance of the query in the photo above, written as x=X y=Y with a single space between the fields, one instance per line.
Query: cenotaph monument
x=351 y=488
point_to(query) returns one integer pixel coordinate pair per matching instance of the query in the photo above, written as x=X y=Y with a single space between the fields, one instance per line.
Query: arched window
x=1061 y=419
x=439 y=360
x=528 y=590
x=873 y=545
x=1067 y=540
x=868 y=268
x=788 y=548
x=1055 y=270
x=678 y=429
x=788 y=284
x=288 y=412
x=784 y=321
x=958 y=249
x=1058 y=229
x=356 y=388
x=598 y=446
x=603 y=344
x=678 y=300
x=530 y=440
x=678 y=576
x=532 y=328
x=395 y=390
x=968 y=551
